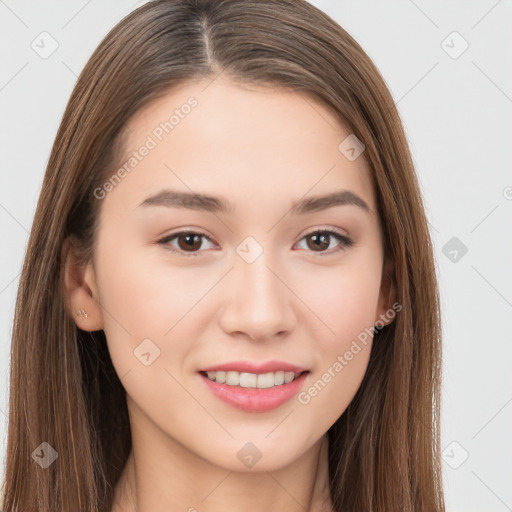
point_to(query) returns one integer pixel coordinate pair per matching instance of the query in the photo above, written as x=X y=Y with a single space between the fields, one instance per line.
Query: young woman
x=229 y=297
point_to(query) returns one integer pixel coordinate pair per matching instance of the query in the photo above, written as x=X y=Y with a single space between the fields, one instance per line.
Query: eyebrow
x=213 y=204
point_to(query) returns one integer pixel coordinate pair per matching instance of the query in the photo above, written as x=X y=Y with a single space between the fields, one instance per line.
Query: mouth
x=253 y=392
x=252 y=380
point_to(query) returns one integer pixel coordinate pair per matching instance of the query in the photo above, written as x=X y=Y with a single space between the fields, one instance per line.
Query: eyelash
x=345 y=241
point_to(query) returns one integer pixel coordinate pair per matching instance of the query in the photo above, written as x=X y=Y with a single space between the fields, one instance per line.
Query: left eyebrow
x=319 y=203
x=214 y=204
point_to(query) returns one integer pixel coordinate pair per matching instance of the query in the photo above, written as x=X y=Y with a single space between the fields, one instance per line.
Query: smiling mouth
x=252 y=380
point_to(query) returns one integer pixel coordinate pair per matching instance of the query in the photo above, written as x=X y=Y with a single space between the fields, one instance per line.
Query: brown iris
x=321 y=241
x=193 y=241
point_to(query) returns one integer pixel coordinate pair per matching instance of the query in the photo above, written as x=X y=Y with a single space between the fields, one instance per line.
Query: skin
x=261 y=149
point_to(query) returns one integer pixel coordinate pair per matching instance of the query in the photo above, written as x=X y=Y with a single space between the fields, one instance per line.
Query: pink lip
x=247 y=366
x=254 y=399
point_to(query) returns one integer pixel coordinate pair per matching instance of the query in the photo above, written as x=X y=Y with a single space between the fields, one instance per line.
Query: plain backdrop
x=448 y=66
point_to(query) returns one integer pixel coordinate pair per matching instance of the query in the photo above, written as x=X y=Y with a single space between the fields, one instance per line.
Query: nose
x=258 y=302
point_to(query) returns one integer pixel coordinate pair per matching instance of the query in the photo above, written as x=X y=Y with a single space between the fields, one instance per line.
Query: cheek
x=143 y=297
x=344 y=298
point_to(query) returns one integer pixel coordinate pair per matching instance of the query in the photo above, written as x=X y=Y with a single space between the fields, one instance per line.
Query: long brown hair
x=384 y=449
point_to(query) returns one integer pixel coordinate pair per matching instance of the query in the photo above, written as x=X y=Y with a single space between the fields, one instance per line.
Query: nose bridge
x=258 y=302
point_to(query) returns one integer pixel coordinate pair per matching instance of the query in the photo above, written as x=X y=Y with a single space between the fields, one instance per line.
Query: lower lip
x=255 y=399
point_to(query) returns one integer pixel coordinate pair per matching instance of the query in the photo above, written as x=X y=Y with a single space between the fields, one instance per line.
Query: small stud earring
x=81 y=312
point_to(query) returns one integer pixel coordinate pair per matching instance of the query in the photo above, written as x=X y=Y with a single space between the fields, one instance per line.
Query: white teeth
x=288 y=377
x=265 y=380
x=232 y=378
x=278 y=378
x=253 y=380
x=248 y=380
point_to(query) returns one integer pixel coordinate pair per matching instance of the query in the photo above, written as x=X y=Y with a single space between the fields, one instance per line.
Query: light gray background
x=457 y=116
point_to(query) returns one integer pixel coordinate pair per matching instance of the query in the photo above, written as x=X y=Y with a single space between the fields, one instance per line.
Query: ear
x=82 y=298
x=387 y=297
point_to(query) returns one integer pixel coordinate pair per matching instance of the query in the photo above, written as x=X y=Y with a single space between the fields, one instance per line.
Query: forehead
x=218 y=135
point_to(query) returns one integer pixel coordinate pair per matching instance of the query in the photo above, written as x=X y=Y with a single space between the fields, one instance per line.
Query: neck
x=301 y=486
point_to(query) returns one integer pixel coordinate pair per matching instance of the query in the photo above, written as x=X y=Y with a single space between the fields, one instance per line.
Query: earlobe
x=81 y=296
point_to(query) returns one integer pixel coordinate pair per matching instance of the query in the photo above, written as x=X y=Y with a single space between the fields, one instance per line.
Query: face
x=257 y=272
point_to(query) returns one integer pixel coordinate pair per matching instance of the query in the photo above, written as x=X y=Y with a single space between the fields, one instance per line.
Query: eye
x=189 y=242
x=321 y=239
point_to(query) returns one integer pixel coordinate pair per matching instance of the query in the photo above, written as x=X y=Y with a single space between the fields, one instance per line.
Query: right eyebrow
x=190 y=200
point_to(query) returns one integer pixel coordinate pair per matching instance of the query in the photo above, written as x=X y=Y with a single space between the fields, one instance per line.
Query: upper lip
x=250 y=367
